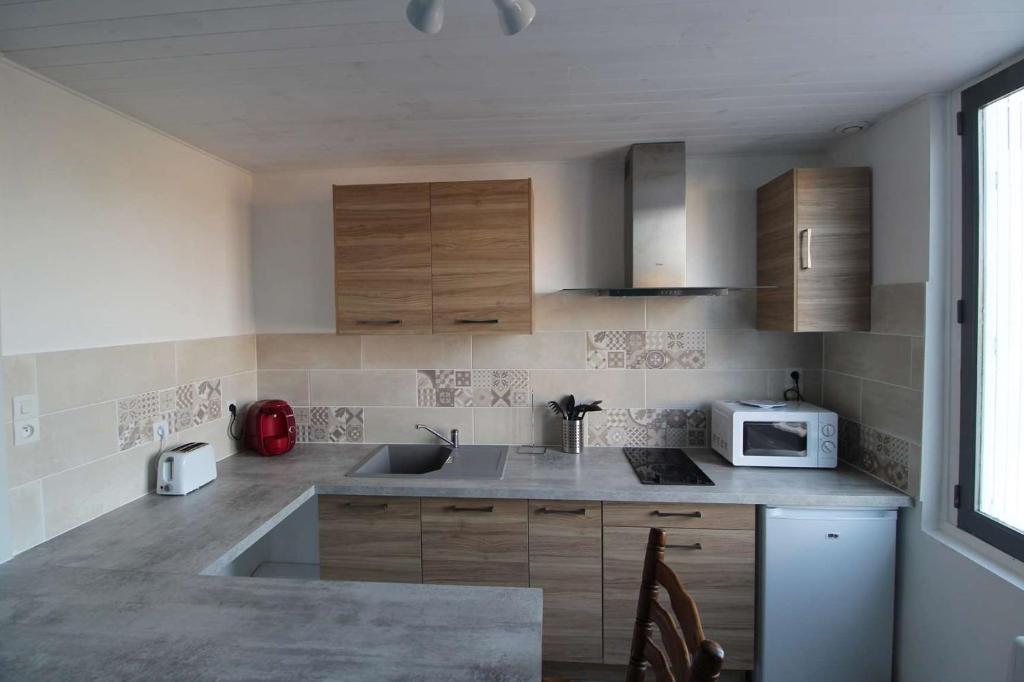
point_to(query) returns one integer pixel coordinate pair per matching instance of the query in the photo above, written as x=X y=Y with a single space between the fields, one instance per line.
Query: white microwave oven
x=794 y=435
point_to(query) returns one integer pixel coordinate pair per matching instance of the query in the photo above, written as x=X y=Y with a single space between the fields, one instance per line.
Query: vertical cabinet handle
x=805 y=249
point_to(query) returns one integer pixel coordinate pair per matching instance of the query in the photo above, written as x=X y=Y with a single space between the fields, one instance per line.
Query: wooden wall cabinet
x=814 y=250
x=565 y=561
x=449 y=257
x=475 y=542
x=370 y=538
x=382 y=259
x=712 y=550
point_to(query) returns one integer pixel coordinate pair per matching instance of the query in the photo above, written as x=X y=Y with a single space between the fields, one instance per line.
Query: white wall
x=110 y=232
x=956 y=619
x=578 y=227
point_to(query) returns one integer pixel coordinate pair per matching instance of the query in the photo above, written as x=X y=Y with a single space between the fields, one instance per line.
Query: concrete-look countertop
x=123 y=596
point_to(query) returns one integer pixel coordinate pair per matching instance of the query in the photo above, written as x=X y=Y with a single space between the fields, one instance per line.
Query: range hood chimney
x=655 y=201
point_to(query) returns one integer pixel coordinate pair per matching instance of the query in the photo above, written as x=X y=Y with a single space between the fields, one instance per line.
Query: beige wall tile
x=308 y=351
x=617 y=388
x=546 y=350
x=898 y=309
x=19 y=379
x=397 y=424
x=283 y=384
x=441 y=351
x=73 y=497
x=892 y=409
x=215 y=433
x=240 y=389
x=872 y=356
x=503 y=425
x=214 y=357
x=547 y=428
x=559 y=311
x=691 y=387
x=363 y=388
x=27 y=526
x=736 y=310
x=82 y=377
x=66 y=439
x=750 y=349
x=842 y=395
x=810 y=383
x=917 y=363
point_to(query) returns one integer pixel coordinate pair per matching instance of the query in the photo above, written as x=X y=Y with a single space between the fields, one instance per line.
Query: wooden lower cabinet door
x=475 y=542
x=719 y=576
x=370 y=538
x=565 y=561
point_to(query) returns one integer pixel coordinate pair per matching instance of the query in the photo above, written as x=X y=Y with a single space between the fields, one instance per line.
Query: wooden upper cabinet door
x=475 y=542
x=481 y=244
x=814 y=248
x=833 y=241
x=382 y=259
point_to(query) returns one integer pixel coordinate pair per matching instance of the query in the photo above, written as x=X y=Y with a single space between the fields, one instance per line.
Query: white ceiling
x=306 y=83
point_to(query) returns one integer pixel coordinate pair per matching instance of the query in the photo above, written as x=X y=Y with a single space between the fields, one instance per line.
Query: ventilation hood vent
x=655 y=232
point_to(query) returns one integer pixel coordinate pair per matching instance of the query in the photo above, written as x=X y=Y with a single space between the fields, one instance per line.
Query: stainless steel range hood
x=656 y=225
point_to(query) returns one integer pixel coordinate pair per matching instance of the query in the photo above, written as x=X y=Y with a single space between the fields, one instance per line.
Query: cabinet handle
x=460 y=321
x=383 y=506
x=694 y=546
x=454 y=508
x=378 y=323
x=576 y=512
x=690 y=515
x=805 y=249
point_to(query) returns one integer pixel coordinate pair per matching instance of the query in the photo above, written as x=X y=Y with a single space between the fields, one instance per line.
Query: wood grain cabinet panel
x=382 y=259
x=481 y=246
x=370 y=538
x=475 y=542
x=719 y=575
x=814 y=251
x=680 y=515
x=565 y=561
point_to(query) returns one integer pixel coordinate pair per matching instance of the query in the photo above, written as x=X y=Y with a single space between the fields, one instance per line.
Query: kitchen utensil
x=572 y=436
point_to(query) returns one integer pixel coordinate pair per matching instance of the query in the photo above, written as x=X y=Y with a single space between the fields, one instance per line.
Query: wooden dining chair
x=687 y=655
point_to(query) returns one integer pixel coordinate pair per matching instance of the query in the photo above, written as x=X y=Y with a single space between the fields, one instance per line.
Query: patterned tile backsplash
x=880 y=454
x=329 y=424
x=472 y=388
x=624 y=427
x=181 y=407
x=647 y=350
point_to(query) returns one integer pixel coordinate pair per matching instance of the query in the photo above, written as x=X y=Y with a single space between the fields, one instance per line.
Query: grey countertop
x=125 y=588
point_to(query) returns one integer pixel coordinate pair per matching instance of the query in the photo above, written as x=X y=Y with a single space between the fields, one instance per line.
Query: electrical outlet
x=160 y=431
x=26 y=431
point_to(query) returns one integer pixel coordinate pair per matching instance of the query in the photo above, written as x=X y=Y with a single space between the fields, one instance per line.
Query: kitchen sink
x=434 y=461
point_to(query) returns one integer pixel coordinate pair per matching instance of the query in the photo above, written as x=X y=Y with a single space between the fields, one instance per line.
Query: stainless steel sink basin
x=434 y=461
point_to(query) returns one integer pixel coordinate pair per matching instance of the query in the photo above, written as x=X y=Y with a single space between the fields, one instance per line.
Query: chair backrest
x=687 y=656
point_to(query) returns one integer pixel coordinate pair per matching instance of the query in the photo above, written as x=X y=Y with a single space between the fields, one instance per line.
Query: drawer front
x=475 y=542
x=676 y=515
x=719 y=576
x=565 y=561
x=370 y=538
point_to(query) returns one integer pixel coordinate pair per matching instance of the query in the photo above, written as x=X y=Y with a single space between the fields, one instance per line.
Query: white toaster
x=185 y=468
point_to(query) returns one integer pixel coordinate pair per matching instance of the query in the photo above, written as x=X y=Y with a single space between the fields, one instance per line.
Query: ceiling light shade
x=515 y=15
x=426 y=15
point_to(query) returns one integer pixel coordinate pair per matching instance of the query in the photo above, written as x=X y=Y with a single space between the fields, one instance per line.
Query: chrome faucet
x=454 y=441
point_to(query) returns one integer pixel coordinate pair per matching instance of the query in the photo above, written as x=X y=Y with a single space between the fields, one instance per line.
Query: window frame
x=968 y=518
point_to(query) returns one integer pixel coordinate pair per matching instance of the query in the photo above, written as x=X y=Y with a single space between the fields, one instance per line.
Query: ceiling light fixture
x=851 y=128
x=426 y=15
x=513 y=15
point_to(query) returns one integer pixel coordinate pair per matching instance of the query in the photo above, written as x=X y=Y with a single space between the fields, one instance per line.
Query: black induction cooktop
x=665 y=466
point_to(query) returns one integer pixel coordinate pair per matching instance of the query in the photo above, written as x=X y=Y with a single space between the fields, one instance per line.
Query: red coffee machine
x=270 y=427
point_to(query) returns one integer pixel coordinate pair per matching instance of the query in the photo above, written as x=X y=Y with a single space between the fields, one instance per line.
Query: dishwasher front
x=826 y=594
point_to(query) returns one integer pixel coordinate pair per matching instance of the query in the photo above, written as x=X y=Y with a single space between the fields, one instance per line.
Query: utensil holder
x=572 y=436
